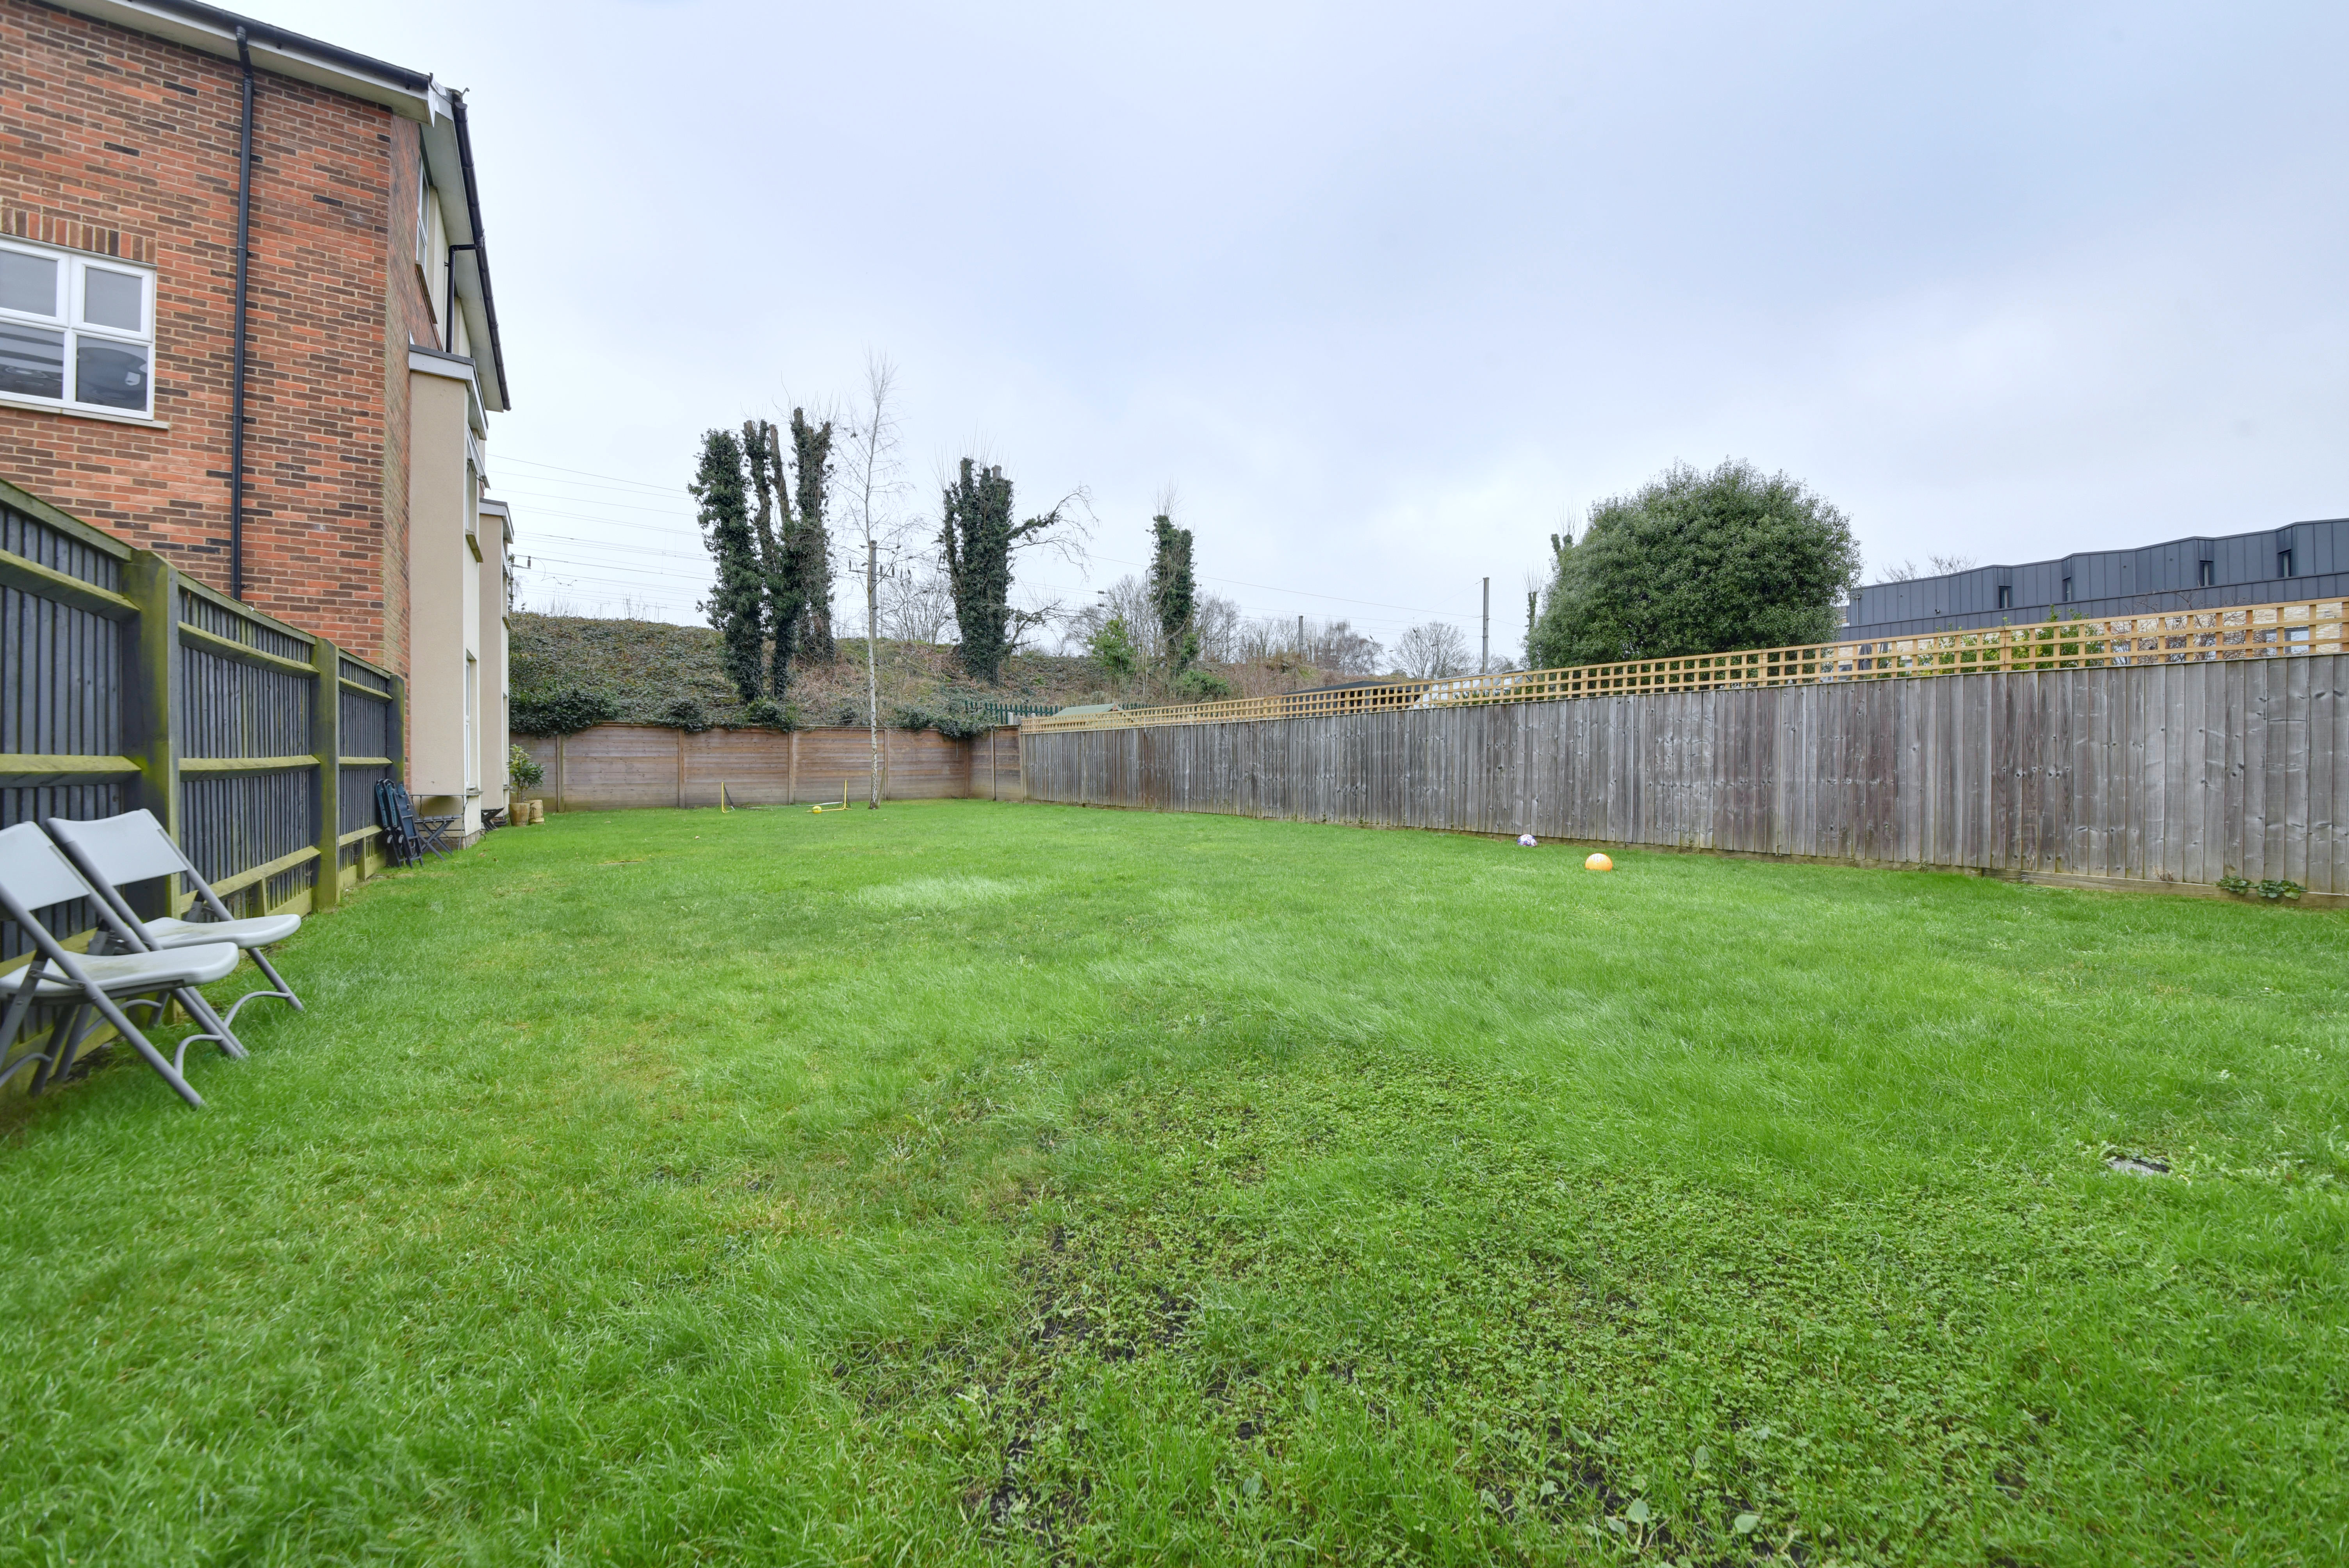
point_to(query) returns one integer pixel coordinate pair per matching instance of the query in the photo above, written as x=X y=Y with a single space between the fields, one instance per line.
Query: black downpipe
x=236 y=373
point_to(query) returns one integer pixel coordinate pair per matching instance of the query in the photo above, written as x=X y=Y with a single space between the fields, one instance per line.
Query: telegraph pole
x=1485 y=655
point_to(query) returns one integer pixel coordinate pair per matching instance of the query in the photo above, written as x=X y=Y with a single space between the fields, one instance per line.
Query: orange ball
x=1599 y=863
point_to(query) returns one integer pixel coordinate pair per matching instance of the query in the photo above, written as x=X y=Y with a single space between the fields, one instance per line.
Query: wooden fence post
x=399 y=725
x=327 y=741
x=148 y=736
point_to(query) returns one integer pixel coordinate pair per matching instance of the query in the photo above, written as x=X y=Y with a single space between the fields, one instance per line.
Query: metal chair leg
x=216 y=1029
x=64 y=1040
x=154 y=1058
x=277 y=979
x=20 y=1006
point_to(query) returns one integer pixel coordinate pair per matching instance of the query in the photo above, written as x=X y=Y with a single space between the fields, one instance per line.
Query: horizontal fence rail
x=124 y=685
x=2173 y=637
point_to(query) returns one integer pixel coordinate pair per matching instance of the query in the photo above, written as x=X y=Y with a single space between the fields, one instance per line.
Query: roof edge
x=2113 y=550
x=275 y=49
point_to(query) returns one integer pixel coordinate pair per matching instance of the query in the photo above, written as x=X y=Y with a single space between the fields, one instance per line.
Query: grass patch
x=1022 y=1183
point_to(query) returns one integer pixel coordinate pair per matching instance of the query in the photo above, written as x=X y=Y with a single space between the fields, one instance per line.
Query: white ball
x=1526 y=841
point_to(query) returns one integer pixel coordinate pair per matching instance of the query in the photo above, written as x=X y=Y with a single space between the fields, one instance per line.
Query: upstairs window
x=77 y=331
x=2210 y=576
x=2284 y=563
x=2006 y=596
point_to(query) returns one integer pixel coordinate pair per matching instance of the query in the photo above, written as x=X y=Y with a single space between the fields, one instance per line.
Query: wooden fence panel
x=2154 y=773
x=124 y=685
x=616 y=767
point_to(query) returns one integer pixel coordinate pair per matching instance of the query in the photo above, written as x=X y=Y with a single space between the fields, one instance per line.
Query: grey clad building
x=2299 y=561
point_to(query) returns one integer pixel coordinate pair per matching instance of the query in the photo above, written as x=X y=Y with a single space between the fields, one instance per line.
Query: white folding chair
x=34 y=875
x=116 y=851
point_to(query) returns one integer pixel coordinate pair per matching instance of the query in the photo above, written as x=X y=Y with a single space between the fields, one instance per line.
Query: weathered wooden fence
x=2178 y=773
x=2221 y=635
x=124 y=684
x=618 y=766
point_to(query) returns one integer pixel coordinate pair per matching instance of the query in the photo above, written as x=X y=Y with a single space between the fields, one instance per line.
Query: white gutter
x=407 y=93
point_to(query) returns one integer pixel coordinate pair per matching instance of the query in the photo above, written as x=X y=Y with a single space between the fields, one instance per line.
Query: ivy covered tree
x=772 y=528
x=809 y=545
x=1698 y=562
x=978 y=537
x=1172 y=594
x=737 y=608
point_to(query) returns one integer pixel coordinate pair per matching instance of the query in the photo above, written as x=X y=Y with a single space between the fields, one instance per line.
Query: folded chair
x=35 y=875
x=407 y=836
x=116 y=851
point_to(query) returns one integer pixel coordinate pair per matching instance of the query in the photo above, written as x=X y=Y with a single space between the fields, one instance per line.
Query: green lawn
x=1025 y=1183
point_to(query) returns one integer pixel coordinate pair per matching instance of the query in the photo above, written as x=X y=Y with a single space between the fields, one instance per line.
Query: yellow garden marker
x=1599 y=863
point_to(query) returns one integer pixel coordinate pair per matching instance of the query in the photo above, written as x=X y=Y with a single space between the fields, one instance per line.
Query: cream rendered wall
x=496 y=537
x=444 y=583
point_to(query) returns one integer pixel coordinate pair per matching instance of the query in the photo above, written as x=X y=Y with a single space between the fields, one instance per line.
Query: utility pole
x=1301 y=639
x=1485 y=654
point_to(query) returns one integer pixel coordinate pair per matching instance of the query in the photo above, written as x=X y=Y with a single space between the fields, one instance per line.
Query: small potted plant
x=524 y=773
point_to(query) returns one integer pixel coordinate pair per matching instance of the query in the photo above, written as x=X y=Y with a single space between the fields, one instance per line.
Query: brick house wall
x=125 y=144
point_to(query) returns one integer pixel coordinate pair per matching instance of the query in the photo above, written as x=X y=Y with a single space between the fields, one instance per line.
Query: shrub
x=1202 y=685
x=564 y=712
x=524 y=772
x=685 y=712
x=762 y=713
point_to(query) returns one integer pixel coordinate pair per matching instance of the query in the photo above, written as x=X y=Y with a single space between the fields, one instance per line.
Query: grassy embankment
x=1018 y=1183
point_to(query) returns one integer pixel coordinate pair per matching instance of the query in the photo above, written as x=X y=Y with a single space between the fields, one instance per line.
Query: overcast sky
x=1389 y=295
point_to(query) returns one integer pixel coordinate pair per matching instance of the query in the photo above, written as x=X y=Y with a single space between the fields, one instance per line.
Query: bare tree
x=916 y=604
x=1941 y=565
x=1431 y=651
x=1218 y=622
x=874 y=481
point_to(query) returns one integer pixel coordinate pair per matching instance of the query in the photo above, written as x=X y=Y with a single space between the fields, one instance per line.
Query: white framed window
x=77 y=330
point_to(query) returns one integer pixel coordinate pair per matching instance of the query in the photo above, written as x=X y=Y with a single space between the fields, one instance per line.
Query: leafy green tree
x=978 y=537
x=810 y=546
x=1113 y=649
x=1698 y=562
x=737 y=608
x=1173 y=597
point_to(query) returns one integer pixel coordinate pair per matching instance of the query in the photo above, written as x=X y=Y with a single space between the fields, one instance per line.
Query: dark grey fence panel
x=60 y=679
x=21 y=533
x=367 y=725
x=357 y=797
x=231 y=823
x=231 y=708
x=114 y=695
x=210 y=615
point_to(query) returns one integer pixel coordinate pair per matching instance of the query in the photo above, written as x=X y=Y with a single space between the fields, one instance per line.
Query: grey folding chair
x=117 y=851
x=34 y=875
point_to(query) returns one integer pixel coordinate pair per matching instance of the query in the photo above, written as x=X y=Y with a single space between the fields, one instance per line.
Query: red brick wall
x=409 y=319
x=325 y=466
